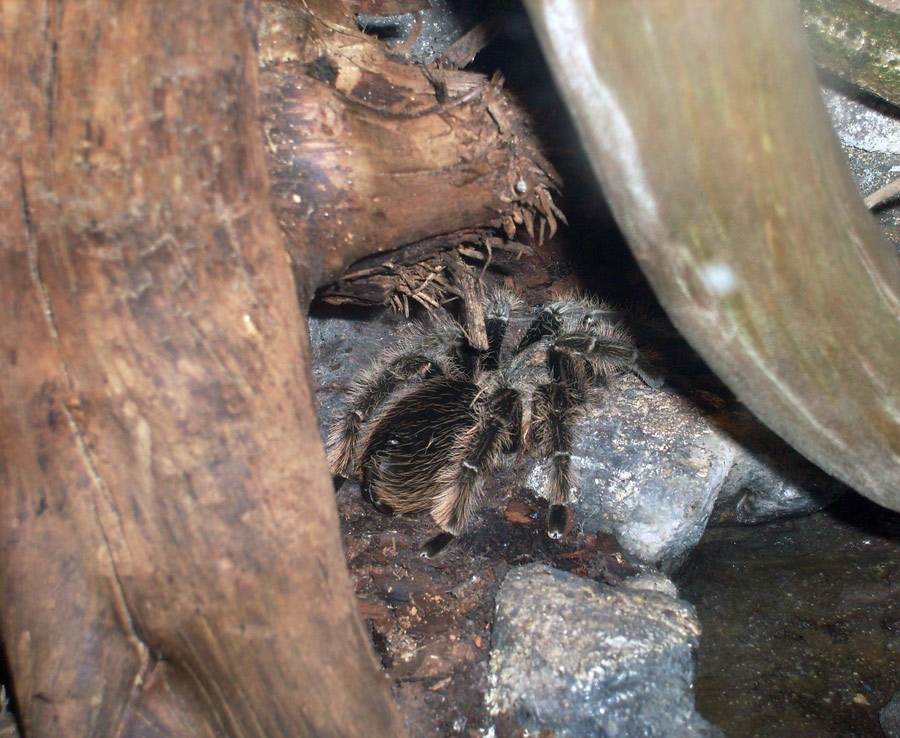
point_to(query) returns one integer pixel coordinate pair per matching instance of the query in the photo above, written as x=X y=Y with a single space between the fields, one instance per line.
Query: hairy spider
x=433 y=416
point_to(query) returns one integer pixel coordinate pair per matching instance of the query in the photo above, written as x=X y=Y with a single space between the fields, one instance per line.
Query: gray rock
x=890 y=718
x=650 y=468
x=341 y=348
x=585 y=659
x=768 y=479
x=869 y=132
x=652 y=581
x=655 y=469
x=872 y=125
x=435 y=28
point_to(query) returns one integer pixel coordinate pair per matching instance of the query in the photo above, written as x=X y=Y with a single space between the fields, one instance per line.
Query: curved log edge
x=732 y=191
x=170 y=563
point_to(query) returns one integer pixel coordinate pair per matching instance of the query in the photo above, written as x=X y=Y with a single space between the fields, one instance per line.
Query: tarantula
x=426 y=424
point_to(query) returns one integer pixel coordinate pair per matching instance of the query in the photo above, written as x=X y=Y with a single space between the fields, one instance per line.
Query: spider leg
x=606 y=355
x=498 y=307
x=436 y=544
x=577 y=362
x=565 y=315
x=547 y=322
x=496 y=321
x=555 y=409
x=477 y=452
x=371 y=392
x=513 y=441
x=649 y=374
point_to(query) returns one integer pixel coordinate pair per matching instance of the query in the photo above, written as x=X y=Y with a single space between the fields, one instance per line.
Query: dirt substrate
x=430 y=620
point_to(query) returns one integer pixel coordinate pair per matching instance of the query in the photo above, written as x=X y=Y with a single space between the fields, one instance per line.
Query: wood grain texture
x=170 y=560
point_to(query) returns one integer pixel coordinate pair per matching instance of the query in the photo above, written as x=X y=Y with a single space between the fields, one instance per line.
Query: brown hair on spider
x=432 y=418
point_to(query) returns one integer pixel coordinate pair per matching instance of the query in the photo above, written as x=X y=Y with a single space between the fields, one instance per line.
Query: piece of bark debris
x=520 y=512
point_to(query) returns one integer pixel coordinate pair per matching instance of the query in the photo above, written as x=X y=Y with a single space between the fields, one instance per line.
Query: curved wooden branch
x=705 y=125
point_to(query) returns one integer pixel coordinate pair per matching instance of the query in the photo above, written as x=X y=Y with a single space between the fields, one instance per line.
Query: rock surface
x=650 y=468
x=869 y=131
x=584 y=659
x=768 y=479
x=341 y=348
x=655 y=467
x=890 y=718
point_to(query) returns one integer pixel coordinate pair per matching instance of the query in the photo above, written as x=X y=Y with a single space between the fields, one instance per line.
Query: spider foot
x=371 y=496
x=338 y=481
x=436 y=545
x=375 y=501
x=557 y=519
x=651 y=376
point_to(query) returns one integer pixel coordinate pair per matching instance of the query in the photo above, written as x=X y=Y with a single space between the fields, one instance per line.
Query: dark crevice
x=12 y=707
x=50 y=84
x=23 y=201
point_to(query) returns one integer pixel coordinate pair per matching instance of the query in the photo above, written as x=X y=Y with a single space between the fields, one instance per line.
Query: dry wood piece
x=883 y=195
x=368 y=154
x=169 y=555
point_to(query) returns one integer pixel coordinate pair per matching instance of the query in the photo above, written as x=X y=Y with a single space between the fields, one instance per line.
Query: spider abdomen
x=409 y=443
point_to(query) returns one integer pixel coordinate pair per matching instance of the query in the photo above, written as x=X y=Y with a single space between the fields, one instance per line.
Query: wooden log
x=170 y=563
x=368 y=154
x=705 y=125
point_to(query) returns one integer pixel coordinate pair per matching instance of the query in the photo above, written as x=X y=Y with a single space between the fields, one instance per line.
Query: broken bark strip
x=428 y=271
x=368 y=154
x=736 y=199
x=170 y=558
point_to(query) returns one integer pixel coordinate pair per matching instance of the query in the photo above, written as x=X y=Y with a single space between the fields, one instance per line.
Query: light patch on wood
x=720 y=277
x=250 y=325
x=143 y=446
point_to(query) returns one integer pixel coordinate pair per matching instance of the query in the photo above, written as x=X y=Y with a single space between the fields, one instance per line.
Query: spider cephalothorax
x=434 y=415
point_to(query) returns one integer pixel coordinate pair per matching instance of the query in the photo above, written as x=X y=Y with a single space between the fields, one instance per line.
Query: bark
x=170 y=558
x=705 y=124
x=369 y=154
